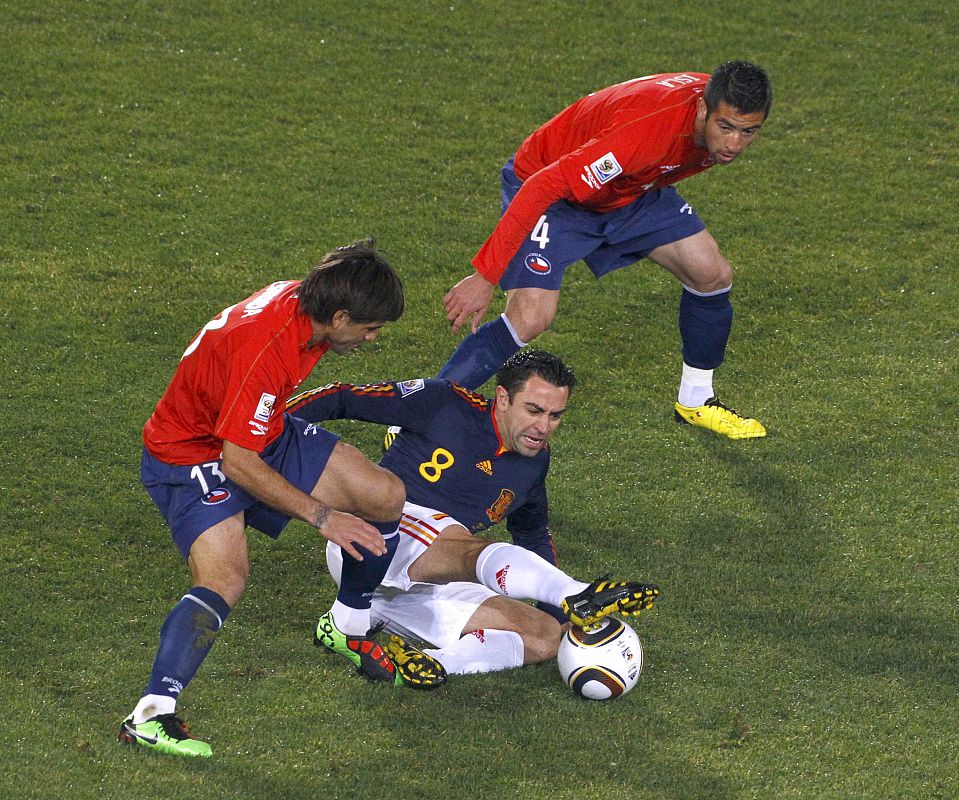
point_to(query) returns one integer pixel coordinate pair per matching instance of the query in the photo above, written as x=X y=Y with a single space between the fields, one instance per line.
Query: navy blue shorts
x=194 y=498
x=605 y=241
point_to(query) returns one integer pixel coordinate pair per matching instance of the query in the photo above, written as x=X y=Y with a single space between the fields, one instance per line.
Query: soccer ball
x=602 y=663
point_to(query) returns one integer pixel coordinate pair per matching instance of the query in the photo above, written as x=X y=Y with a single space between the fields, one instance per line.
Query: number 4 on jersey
x=540 y=233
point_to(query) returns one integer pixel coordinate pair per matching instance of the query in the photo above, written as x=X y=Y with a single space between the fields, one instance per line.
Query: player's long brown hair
x=356 y=278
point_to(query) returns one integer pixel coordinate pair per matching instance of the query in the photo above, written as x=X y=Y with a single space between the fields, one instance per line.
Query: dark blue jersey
x=449 y=454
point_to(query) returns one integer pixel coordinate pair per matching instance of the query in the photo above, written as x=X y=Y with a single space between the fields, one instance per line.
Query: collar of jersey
x=502 y=449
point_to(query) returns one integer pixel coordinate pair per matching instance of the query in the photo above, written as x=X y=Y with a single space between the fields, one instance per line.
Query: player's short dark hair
x=519 y=367
x=355 y=278
x=742 y=85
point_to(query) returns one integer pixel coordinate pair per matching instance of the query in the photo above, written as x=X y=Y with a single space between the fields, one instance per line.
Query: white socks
x=351 y=621
x=516 y=572
x=481 y=651
x=152 y=705
x=696 y=386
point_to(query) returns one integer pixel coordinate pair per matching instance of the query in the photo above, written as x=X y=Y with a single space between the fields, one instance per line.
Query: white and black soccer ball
x=602 y=663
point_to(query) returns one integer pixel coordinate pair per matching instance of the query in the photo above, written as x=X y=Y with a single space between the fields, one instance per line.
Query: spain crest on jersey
x=498 y=510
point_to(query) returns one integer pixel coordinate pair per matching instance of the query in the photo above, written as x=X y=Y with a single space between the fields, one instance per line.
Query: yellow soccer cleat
x=716 y=417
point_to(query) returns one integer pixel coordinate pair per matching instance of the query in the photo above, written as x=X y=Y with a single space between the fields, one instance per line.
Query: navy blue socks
x=705 y=321
x=480 y=354
x=185 y=638
x=359 y=579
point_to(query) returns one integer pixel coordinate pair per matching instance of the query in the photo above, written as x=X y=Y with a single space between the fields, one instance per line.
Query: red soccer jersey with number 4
x=603 y=152
x=233 y=380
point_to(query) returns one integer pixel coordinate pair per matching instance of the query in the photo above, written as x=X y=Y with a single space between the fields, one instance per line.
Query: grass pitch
x=163 y=160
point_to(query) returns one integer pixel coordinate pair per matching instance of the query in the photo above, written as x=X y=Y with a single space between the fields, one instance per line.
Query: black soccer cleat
x=604 y=597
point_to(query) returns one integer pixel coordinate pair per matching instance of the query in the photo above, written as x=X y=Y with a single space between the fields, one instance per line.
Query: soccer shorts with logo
x=196 y=497
x=605 y=241
x=433 y=613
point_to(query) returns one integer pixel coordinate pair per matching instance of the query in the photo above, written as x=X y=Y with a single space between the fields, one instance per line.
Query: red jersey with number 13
x=603 y=152
x=233 y=380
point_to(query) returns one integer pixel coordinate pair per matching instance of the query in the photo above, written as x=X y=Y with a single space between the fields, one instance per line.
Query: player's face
x=344 y=335
x=526 y=423
x=726 y=132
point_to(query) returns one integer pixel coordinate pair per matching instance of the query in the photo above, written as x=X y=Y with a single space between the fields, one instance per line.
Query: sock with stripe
x=186 y=637
x=480 y=354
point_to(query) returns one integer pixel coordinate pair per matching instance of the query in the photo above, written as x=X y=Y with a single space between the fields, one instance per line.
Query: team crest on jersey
x=538 y=263
x=265 y=407
x=215 y=497
x=408 y=387
x=498 y=510
x=605 y=168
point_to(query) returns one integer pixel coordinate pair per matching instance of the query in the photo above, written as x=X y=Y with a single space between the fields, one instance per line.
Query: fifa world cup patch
x=605 y=168
x=265 y=407
x=538 y=263
x=408 y=387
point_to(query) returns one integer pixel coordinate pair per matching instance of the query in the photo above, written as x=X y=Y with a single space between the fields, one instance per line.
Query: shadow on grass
x=789 y=588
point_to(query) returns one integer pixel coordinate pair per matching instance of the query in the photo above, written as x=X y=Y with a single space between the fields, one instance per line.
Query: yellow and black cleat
x=718 y=418
x=417 y=669
x=390 y=436
x=604 y=597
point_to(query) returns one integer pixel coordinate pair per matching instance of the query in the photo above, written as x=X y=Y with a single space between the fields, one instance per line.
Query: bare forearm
x=249 y=471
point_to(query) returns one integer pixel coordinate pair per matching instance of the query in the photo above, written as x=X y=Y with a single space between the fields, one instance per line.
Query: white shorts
x=433 y=613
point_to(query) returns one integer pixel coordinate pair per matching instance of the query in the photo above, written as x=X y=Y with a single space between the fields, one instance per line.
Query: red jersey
x=234 y=378
x=603 y=152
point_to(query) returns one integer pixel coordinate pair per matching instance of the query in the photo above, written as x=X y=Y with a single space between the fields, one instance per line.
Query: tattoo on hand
x=321 y=516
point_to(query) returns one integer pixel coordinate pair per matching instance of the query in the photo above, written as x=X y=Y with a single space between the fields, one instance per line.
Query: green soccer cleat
x=166 y=733
x=716 y=417
x=361 y=651
x=418 y=670
x=604 y=597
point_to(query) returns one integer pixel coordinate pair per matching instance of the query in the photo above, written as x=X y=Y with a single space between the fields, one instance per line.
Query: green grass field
x=162 y=160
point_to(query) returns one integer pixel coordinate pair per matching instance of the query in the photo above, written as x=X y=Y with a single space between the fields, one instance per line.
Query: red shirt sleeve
x=604 y=173
x=256 y=385
x=531 y=201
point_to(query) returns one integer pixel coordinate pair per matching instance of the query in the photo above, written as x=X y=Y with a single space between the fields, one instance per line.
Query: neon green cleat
x=361 y=651
x=418 y=670
x=716 y=417
x=604 y=597
x=166 y=733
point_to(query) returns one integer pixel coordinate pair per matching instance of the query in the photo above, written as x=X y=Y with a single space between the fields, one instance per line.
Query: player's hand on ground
x=347 y=531
x=468 y=300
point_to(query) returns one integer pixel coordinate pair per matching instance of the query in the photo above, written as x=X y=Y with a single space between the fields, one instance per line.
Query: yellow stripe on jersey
x=475 y=400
